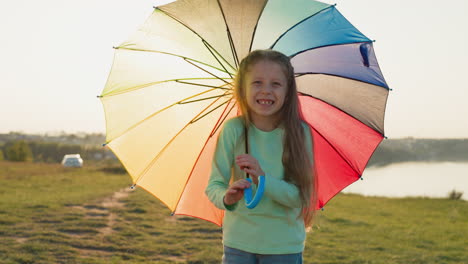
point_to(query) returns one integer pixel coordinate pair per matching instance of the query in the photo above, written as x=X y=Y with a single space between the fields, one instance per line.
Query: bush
x=455 y=195
x=18 y=151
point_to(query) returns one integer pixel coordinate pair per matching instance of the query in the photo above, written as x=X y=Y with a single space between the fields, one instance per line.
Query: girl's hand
x=235 y=192
x=250 y=165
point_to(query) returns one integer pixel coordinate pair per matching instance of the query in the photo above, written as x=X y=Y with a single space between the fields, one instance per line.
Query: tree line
x=420 y=150
x=50 y=152
x=52 y=148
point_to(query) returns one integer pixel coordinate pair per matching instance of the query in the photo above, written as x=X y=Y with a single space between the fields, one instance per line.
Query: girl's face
x=266 y=88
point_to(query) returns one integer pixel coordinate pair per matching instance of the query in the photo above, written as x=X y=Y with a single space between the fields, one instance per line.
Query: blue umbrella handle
x=249 y=202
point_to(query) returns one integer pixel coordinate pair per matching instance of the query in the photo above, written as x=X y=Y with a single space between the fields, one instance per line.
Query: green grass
x=50 y=214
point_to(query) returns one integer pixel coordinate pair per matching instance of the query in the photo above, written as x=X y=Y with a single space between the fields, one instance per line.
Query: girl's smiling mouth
x=265 y=102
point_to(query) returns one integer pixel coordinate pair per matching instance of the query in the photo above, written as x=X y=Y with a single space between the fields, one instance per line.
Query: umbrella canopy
x=170 y=90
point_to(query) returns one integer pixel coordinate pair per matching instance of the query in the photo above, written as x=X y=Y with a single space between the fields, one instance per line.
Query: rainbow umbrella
x=170 y=90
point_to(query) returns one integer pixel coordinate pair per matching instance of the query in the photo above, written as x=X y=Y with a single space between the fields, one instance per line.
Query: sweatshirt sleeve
x=284 y=192
x=221 y=167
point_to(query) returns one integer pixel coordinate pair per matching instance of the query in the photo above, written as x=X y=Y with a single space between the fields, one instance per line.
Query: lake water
x=413 y=179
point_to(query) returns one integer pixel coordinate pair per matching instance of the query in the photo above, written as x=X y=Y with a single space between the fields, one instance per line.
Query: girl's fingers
x=257 y=171
x=253 y=173
x=240 y=184
x=244 y=158
x=243 y=161
x=246 y=161
x=248 y=170
x=246 y=164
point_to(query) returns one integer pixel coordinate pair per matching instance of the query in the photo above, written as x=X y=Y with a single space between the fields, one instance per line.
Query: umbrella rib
x=180 y=56
x=369 y=126
x=220 y=120
x=233 y=49
x=212 y=74
x=295 y=25
x=204 y=85
x=256 y=24
x=160 y=111
x=329 y=45
x=134 y=88
x=209 y=112
x=345 y=159
x=216 y=58
x=172 y=140
x=203 y=99
x=218 y=125
x=344 y=77
x=204 y=41
x=231 y=43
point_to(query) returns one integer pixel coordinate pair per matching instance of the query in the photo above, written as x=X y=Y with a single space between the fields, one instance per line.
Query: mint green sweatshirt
x=273 y=227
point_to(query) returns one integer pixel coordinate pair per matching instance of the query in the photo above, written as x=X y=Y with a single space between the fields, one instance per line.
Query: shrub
x=455 y=195
x=18 y=151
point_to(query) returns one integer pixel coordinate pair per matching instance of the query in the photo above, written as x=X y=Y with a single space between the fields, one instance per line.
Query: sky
x=55 y=57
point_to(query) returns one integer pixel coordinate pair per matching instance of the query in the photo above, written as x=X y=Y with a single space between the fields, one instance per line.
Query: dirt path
x=103 y=209
x=108 y=203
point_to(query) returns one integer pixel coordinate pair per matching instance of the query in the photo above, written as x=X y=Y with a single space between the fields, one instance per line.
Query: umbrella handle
x=249 y=202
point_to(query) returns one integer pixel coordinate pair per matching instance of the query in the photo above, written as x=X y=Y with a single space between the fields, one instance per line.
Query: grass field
x=50 y=214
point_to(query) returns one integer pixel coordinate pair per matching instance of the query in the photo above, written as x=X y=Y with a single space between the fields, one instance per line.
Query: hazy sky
x=55 y=57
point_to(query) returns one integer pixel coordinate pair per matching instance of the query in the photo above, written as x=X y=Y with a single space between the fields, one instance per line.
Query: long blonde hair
x=296 y=160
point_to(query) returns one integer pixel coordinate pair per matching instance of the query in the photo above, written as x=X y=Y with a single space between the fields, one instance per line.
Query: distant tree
x=18 y=151
x=45 y=151
x=1 y=154
x=52 y=151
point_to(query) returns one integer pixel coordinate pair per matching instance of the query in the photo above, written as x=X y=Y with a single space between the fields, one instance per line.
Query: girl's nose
x=266 y=89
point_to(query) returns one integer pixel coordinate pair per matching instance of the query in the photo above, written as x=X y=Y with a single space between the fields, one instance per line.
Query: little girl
x=280 y=149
